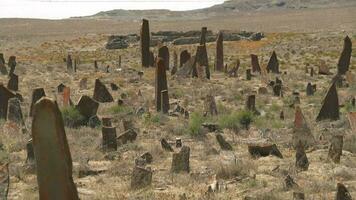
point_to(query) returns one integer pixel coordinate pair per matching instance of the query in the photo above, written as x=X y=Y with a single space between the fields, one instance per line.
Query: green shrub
x=72 y=117
x=245 y=118
x=195 y=123
x=230 y=121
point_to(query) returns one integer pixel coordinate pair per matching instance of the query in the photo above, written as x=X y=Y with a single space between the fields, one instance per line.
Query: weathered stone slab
x=224 y=145
x=184 y=57
x=163 y=53
x=13 y=83
x=161 y=83
x=128 y=136
x=301 y=130
x=87 y=106
x=145 y=43
x=14 y=112
x=53 y=159
x=219 y=60
x=109 y=142
x=301 y=159
x=5 y=95
x=342 y=193
x=264 y=150
x=101 y=93
x=255 y=65
x=345 y=58
x=330 y=106
x=335 y=149
x=141 y=177
x=37 y=94
x=273 y=64
x=180 y=160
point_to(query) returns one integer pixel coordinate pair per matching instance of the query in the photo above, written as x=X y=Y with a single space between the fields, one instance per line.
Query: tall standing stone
x=180 y=160
x=69 y=62
x=301 y=130
x=273 y=64
x=201 y=58
x=96 y=65
x=310 y=90
x=109 y=142
x=52 y=154
x=219 y=60
x=14 y=112
x=152 y=59
x=184 y=57
x=204 y=30
x=255 y=64
x=141 y=177
x=161 y=83
x=335 y=149
x=163 y=53
x=13 y=83
x=175 y=63
x=101 y=93
x=344 y=61
x=251 y=104
x=2 y=59
x=37 y=94
x=330 y=107
x=164 y=101
x=5 y=95
x=145 y=43
x=12 y=64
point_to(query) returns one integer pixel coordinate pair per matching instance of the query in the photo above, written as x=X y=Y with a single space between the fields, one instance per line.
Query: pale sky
x=57 y=9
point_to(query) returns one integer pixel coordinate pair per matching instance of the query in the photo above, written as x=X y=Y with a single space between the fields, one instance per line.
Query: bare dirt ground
x=300 y=38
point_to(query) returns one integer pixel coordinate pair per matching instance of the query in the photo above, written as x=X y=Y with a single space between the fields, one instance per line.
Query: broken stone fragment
x=264 y=150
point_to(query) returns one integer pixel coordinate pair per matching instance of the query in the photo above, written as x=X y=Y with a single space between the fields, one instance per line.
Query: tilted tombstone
x=344 y=61
x=128 y=136
x=273 y=64
x=224 y=145
x=310 y=90
x=301 y=130
x=335 y=149
x=5 y=95
x=301 y=159
x=219 y=60
x=184 y=57
x=12 y=64
x=101 y=93
x=14 y=112
x=37 y=94
x=13 y=83
x=163 y=53
x=330 y=105
x=342 y=193
x=52 y=154
x=87 y=107
x=255 y=64
x=264 y=150
x=180 y=160
x=161 y=83
x=145 y=43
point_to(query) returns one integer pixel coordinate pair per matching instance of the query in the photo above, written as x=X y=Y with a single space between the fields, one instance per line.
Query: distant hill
x=227 y=8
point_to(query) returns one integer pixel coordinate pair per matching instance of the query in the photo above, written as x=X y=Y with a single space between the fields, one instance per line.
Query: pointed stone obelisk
x=273 y=64
x=53 y=159
x=163 y=53
x=219 y=60
x=204 y=30
x=201 y=58
x=330 y=107
x=145 y=43
x=161 y=83
x=344 y=61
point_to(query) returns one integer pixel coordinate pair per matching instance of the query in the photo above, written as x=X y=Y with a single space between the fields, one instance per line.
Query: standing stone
x=145 y=43
x=219 y=60
x=211 y=107
x=201 y=58
x=342 y=193
x=152 y=59
x=66 y=96
x=175 y=63
x=53 y=159
x=14 y=112
x=301 y=130
x=5 y=95
x=30 y=152
x=180 y=160
x=164 y=101
x=204 y=30
x=344 y=61
x=101 y=93
x=3 y=69
x=13 y=83
x=109 y=142
x=163 y=53
x=37 y=94
x=224 y=145
x=311 y=72
x=166 y=146
x=301 y=159
x=12 y=64
x=2 y=59
x=335 y=150
x=248 y=74
x=87 y=107
x=251 y=104
x=119 y=61
x=128 y=136
x=310 y=90
x=255 y=64
x=96 y=65
x=277 y=90
x=60 y=88
x=141 y=177
x=273 y=64
x=106 y=121
x=69 y=62
x=75 y=65
x=161 y=83
x=330 y=107
x=184 y=57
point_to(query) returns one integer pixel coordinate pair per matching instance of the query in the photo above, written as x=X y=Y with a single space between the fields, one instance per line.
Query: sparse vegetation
x=72 y=117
